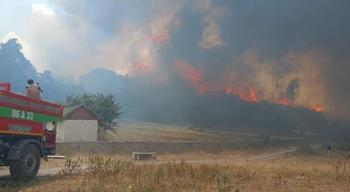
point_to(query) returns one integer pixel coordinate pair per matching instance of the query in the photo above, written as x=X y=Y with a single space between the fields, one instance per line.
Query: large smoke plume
x=293 y=53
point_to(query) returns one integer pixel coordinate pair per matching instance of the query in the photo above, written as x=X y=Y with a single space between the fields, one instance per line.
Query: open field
x=251 y=162
x=145 y=131
x=174 y=139
x=128 y=130
x=292 y=172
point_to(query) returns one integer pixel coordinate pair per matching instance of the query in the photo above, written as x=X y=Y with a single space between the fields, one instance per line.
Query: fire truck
x=27 y=132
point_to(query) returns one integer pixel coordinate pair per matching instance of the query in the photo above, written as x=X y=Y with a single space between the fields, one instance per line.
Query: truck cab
x=27 y=132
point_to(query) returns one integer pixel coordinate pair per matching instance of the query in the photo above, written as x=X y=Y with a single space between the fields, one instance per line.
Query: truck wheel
x=27 y=166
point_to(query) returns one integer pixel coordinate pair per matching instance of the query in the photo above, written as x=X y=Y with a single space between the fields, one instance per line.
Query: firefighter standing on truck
x=33 y=90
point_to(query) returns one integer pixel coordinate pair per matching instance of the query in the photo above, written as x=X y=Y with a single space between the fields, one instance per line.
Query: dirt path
x=47 y=171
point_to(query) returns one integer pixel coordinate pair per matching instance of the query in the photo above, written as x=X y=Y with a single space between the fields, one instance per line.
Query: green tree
x=106 y=107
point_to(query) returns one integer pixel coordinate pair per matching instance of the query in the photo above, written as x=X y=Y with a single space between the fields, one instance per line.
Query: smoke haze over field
x=293 y=52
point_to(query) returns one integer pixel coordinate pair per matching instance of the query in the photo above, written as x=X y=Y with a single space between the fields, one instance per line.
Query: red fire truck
x=27 y=132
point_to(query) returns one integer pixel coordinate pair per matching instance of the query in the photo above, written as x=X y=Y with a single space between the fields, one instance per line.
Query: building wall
x=77 y=131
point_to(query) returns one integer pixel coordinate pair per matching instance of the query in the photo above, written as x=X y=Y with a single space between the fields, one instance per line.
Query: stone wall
x=77 y=131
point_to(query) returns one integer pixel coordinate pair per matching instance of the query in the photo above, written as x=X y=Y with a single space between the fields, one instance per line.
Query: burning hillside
x=253 y=90
x=173 y=54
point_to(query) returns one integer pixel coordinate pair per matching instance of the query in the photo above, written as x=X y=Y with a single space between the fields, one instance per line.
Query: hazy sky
x=16 y=19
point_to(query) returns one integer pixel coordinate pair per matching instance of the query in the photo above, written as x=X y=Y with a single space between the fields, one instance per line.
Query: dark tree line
x=14 y=67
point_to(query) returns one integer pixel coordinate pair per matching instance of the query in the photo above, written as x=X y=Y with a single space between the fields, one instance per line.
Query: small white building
x=79 y=124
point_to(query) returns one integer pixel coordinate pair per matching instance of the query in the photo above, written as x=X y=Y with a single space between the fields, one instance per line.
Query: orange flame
x=144 y=63
x=249 y=95
x=317 y=108
x=194 y=76
x=228 y=90
x=283 y=101
x=253 y=97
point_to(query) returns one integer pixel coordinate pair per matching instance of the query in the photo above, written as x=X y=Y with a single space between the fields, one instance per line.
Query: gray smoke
x=297 y=48
x=292 y=88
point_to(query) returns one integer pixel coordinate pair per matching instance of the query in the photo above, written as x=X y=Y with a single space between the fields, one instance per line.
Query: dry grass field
x=145 y=131
x=294 y=172
x=255 y=168
x=129 y=130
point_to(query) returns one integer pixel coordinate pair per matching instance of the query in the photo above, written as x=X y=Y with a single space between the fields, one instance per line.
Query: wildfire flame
x=284 y=101
x=252 y=96
x=229 y=90
x=317 y=108
x=196 y=78
x=249 y=95
x=145 y=63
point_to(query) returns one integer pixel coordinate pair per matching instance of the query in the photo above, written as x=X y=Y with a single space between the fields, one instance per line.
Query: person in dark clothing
x=329 y=148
